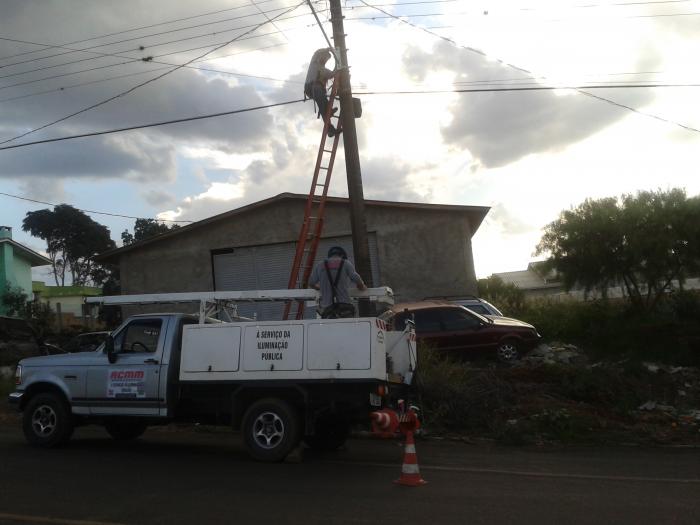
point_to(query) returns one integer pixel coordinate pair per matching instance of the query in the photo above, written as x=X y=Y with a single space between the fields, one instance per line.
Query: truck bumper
x=15 y=398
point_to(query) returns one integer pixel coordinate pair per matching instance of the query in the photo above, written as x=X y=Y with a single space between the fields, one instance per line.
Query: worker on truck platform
x=315 y=85
x=332 y=277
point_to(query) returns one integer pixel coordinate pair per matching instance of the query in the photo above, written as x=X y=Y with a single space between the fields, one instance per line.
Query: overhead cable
x=152 y=125
x=70 y=50
x=87 y=211
x=49 y=46
x=130 y=90
x=522 y=70
x=288 y=102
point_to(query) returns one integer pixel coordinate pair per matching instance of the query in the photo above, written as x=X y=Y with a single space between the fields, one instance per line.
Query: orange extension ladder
x=311 y=228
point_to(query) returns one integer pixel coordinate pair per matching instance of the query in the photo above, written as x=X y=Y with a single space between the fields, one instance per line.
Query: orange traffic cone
x=410 y=474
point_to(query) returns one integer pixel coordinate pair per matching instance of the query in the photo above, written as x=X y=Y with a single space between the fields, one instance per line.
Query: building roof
x=34 y=258
x=477 y=214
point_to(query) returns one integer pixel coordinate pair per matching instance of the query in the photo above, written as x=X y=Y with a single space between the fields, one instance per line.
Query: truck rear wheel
x=47 y=421
x=124 y=430
x=331 y=433
x=271 y=429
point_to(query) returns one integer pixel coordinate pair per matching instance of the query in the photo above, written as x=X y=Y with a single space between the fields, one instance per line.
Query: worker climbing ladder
x=311 y=228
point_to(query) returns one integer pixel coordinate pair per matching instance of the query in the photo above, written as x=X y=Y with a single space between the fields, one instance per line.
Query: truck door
x=129 y=386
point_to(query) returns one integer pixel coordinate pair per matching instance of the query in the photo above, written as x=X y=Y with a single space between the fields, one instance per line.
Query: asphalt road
x=194 y=477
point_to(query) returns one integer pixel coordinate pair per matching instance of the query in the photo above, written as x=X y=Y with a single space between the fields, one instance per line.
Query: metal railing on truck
x=224 y=302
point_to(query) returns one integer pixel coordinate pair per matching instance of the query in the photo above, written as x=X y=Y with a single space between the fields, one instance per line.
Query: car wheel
x=331 y=433
x=125 y=430
x=508 y=351
x=271 y=429
x=47 y=421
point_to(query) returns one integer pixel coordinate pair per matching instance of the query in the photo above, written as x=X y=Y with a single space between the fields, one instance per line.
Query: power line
x=130 y=50
x=87 y=211
x=136 y=60
x=47 y=46
x=615 y=4
x=70 y=50
x=108 y=79
x=425 y=15
x=152 y=125
x=288 y=102
x=149 y=60
x=522 y=70
x=130 y=90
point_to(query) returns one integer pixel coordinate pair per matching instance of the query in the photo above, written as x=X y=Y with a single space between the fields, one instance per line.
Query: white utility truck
x=277 y=381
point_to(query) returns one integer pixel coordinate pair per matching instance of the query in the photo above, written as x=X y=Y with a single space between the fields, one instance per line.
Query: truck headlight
x=18 y=375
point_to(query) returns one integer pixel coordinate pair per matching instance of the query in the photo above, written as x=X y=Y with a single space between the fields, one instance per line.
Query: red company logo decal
x=118 y=375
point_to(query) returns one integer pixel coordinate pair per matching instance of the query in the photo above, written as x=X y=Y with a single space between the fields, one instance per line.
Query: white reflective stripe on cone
x=410 y=449
x=410 y=469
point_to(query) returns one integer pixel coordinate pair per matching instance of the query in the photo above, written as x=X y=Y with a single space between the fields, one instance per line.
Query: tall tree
x=145 y=228
x=645 y=242
x=73 y=240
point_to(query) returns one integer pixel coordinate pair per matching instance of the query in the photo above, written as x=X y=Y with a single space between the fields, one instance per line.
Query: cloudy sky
x=527 y=154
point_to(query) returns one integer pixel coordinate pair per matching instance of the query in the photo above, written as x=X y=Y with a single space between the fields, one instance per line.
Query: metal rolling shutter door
x=267 y=267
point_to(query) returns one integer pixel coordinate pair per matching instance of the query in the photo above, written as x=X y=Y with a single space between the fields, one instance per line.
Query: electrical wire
x=331 y=47
x=47 y=46
x=87 y=211
x=150 y=58
x=370 y=93
x=108 y=79
x=130 y=90
x=141 y=37
x=152 y=125
x=130 y=50
x=530 y=73
x=424 y=15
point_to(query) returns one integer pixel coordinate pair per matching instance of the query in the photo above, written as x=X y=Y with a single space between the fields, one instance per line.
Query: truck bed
x=316 y=349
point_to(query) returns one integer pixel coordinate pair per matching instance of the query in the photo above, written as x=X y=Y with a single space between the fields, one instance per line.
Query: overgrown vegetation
x=611 y=329
x=533 y=404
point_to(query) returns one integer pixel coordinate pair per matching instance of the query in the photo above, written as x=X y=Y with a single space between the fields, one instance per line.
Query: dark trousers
x=318 y=94
x=338 y=311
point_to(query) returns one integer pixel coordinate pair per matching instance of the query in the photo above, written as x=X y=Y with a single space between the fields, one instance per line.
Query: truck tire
x=47 y=421
x=124 y=430
x=331 y=433
x=271 y=429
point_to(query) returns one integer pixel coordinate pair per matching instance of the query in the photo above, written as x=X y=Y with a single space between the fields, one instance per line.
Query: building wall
x=22 y=269
x=421 y=252
x=15 y=271
x=69 y=305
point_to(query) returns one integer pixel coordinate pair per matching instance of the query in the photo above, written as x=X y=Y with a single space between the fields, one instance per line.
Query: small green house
x=16 y=262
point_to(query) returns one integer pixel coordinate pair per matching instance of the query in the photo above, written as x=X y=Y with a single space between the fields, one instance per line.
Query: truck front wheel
x=47 y=421
x=271 y=429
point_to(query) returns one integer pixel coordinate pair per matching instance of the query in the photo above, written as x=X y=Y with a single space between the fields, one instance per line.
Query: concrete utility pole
x=358 y=221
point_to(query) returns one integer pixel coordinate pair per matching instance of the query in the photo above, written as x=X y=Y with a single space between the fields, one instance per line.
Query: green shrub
x=611 y=329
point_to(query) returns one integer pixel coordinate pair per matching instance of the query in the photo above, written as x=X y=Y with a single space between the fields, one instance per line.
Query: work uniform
x=316 y=78
x=320 y=276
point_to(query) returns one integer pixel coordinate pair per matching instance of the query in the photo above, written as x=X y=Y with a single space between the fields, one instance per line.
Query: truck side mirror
x=109 y=347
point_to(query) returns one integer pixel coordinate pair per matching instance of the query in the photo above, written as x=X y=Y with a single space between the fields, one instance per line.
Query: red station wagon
x=454 y=328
